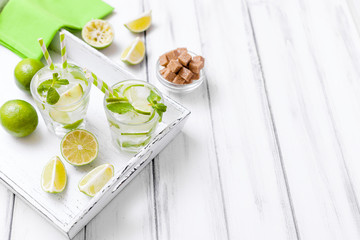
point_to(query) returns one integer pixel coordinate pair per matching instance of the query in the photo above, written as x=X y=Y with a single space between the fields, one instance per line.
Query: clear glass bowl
x=180 y=88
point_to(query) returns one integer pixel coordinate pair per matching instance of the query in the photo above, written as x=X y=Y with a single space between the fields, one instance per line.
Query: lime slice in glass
x=140 y=24
x=98 y=33
x=53 y=177
x=95 y=180
x=134 y=53
x=137 y=95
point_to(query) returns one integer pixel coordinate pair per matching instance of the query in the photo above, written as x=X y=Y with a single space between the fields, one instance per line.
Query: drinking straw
x=63 y=50
x=100 y=84
x=46 y=54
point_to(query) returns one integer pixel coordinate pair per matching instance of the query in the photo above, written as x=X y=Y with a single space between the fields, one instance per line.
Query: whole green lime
x=18 y=118
x=24 y=72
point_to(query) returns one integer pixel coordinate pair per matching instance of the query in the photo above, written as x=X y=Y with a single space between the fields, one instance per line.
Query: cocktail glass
x=70 y=110
x=133 y=129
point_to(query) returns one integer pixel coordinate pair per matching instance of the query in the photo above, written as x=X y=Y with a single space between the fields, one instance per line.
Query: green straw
x=63 y=50
x=100 y=84
x=46 y=54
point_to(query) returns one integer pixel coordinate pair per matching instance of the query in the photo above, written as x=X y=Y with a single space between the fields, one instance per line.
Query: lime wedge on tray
x=134 y=53
x=53 y=178
x=92 y=182
x=98 y=33
x=140 y=24
x=79 y=147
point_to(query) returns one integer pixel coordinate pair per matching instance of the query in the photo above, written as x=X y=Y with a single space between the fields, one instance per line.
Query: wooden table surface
x=272 y=149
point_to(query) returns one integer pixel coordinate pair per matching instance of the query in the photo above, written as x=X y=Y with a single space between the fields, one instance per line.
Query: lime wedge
x=98 y=33
x=79 y=147
x=74 y=125
x=142 y=107
x=134 y=53
x=72 y=95
x=60 y=116
x=137 y=95
x=140 y=24
x=95 y=180
x=53 y=177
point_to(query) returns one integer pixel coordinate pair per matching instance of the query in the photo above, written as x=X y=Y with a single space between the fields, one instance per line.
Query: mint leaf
x=161 y=107
x=120 y=107
x=153 y=98
x=44 y=87
x=61 y=82
x=52 y=96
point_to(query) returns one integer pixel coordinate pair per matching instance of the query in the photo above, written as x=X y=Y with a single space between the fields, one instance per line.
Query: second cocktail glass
x=133 y=121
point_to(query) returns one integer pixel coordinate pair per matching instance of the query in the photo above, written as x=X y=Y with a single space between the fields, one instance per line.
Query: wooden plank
x=187 y=189
x=325 y=205
x=6 y=212
x=29 y=224
x=255 y=191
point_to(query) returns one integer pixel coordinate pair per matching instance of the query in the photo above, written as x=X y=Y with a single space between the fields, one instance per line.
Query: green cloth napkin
x=23 y=22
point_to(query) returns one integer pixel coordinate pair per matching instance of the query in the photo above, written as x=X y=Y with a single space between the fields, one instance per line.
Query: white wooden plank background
x=271 y=150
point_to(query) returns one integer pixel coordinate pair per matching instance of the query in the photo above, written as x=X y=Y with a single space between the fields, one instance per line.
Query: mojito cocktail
x=134 y=114
x=62 y=96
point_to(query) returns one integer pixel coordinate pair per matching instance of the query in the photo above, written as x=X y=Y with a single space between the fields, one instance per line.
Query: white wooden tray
x=22 y=159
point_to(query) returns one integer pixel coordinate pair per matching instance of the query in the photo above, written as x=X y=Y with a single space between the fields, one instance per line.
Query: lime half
x=95 y=180
x=53 y=178
x=134 y=53
x=79 y=147
x=140 y=24
x=137 y=95
x=98 y=33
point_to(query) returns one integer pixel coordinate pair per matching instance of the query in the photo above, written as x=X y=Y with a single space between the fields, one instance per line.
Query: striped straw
x=100 y=84
x=46 y=54
x=63 y=50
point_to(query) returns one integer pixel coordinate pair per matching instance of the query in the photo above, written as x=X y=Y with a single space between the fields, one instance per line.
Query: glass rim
x=37 y=98
x=132 y=124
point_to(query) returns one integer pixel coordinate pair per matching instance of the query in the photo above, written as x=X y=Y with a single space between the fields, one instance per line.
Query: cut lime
x=98 y=33
x=137 y=95
x=140 y=24
x=134 y=53
x=53 y=178
x=71 y=96
x=142 y=107
x=60 y=116
x=79 y=147
x=74 y=125
x=95 y=180
x=130 y=144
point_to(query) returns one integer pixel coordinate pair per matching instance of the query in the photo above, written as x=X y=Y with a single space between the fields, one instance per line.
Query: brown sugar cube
x=189 y=81
x=172 y=55
x=163 y=60
x=181 y=50
x=174 y=66
x=162 y=71
x=195 y=76
x=184 y=58
x=185 y=74
x=179 y=80
x=169 y=75
x=198 y=59
x=195 y=67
